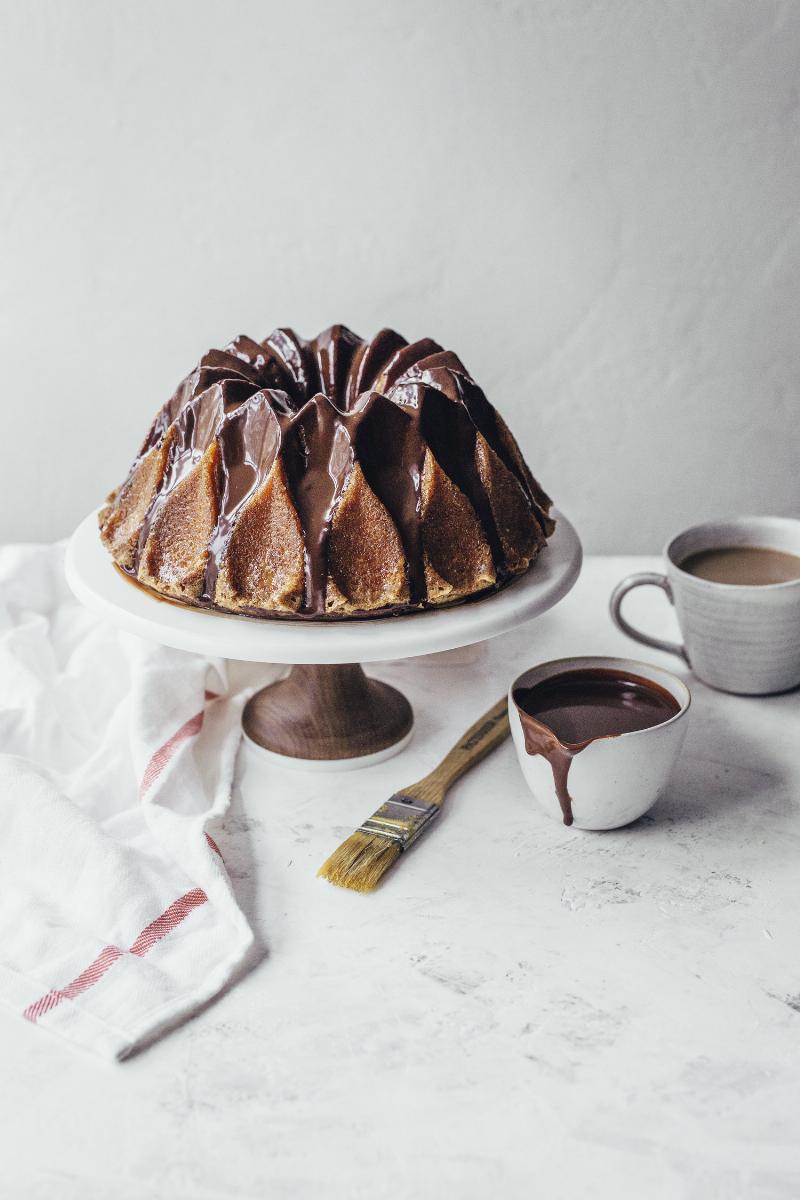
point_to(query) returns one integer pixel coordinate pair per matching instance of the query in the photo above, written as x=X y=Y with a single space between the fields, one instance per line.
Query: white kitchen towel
x=117 y=917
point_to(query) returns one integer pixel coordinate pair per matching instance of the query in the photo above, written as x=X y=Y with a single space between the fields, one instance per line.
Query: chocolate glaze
x=249 y=439
x=391 y=453
x=445 y=373
x=325 y=405
x=564 y=714
x=380 y=350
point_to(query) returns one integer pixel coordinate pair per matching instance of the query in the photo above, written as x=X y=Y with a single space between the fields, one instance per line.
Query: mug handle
x=615 y=604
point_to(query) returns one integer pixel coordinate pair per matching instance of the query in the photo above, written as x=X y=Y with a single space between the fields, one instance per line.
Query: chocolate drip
x=541 y=740
x=249 y=442
x=318 y=458
x=391 y=454
x=215 y=368
x=196 y=427
x=446 y=373
x=485 y=418
x=444 y=425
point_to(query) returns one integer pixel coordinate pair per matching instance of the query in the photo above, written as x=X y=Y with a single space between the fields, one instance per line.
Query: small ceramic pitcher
x=614 y=780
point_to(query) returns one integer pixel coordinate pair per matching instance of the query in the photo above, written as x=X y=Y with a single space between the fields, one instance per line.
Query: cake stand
x=326 y=714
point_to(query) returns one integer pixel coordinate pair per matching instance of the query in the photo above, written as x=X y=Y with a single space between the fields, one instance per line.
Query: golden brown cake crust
x=263 y=563
x=327 y=479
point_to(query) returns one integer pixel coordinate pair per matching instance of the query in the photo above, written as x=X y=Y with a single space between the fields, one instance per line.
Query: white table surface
x=523 y=1010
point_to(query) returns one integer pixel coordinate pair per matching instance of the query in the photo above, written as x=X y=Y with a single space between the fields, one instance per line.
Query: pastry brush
x=362 y=861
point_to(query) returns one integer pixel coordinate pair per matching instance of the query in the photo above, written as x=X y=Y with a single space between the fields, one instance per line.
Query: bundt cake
x=326 y=478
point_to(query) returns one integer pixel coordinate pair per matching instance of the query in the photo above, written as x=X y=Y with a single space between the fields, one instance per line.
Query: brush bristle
x=361 y=862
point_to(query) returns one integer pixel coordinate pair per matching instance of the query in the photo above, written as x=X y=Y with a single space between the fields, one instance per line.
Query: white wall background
x=594 y=203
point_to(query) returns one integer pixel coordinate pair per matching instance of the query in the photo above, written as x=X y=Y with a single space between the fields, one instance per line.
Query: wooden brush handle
x=487 y=732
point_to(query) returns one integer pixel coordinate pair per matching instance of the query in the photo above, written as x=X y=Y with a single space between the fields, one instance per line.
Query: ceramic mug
x=614 y=780
x=737 y=638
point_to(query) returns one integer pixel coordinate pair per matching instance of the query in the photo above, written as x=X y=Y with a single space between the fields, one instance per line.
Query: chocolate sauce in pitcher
x=564 y=714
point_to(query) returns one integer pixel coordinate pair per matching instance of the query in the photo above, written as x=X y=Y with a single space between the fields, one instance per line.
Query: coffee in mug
x=746 y=566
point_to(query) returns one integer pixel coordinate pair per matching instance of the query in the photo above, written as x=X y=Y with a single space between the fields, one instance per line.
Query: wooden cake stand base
x=327 y=714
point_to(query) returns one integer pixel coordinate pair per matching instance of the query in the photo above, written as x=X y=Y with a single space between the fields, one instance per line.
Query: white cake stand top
x=101 y=587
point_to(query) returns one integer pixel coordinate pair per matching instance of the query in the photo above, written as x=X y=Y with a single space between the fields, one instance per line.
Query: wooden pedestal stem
x=327 y=712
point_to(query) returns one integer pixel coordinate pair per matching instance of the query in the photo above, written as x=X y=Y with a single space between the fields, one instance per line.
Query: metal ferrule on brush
x=401 y=819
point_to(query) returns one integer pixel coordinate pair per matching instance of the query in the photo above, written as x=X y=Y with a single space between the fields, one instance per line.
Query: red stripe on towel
x=156 y=930
x=172 y=916
x=87 y=978
x=152 y=933
x=164 y=753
